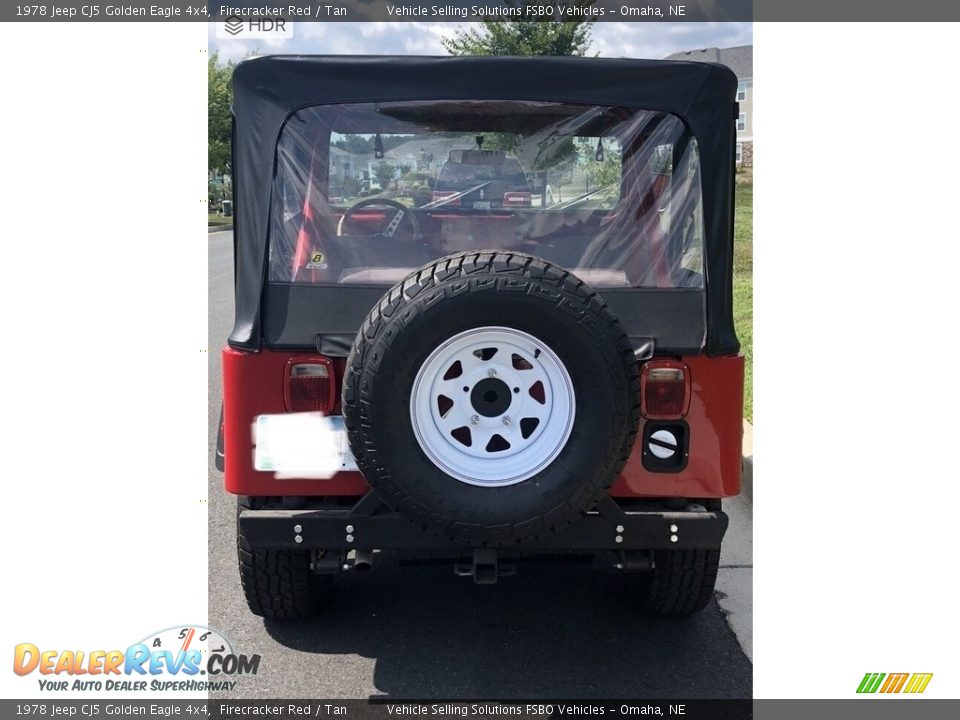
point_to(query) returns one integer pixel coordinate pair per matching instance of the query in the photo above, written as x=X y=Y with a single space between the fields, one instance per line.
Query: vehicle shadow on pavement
x=555 y=630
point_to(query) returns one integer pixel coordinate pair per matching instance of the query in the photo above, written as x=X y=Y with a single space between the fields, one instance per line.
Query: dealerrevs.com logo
x=909 y=683
x=238 y=28
x=184 y=659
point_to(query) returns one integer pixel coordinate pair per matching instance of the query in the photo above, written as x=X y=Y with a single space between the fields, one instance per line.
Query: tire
x=680 y=584
x=585 y=354
x=279 y=584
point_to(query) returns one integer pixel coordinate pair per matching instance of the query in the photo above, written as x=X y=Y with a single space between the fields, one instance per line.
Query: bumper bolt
x=674 y=538
x=349 y=529
x=618 y=538
x=619 y=528
x=673 y=528
x=349 y=538
x=297 y=529
x=298 y=539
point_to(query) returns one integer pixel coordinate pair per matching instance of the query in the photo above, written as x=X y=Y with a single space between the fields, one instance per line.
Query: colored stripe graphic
x=894 y=682
x=870 y=682
x=918 y=682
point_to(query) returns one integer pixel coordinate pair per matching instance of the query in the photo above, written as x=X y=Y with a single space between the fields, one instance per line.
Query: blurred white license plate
x=481 y=205
x=301 y=445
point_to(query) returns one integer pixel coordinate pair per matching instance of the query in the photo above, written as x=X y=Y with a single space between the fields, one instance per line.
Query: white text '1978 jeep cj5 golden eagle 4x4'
x=483 y=314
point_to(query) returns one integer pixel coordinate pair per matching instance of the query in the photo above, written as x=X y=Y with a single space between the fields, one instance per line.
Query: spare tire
x=491 y=397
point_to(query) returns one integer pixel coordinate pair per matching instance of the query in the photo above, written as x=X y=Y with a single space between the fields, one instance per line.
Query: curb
x=746 y=481
x=219 y=228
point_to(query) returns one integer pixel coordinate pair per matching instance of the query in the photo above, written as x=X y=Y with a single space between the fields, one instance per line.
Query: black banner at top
x=264 y=12
x=261 y=12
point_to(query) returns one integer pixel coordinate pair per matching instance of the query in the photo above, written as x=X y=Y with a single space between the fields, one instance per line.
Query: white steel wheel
x=492 y=406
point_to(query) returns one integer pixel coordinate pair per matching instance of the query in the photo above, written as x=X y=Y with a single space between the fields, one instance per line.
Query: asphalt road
x=421 y=633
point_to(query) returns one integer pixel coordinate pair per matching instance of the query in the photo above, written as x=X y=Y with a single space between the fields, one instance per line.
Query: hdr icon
x=236 y=28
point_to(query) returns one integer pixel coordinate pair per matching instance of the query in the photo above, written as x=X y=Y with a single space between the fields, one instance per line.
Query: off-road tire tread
x=428 y=285
x=680 y=584
x=279 y=584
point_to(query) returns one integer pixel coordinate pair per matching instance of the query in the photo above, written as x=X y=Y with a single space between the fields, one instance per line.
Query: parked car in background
x=482 y=180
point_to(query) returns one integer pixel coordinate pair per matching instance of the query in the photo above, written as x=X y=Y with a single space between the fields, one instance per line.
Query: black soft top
x=268 y=90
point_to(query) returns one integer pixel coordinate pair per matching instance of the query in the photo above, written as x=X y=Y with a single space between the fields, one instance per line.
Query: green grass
x=216 y=219
x=743 y=282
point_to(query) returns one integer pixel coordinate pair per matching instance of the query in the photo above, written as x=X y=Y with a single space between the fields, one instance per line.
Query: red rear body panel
x=715 y=419
x=253 y=384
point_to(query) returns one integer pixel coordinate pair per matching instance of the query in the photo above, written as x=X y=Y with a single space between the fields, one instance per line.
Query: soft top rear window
x=367 y=192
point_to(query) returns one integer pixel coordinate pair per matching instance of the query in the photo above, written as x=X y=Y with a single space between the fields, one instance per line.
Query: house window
x=739 y=153
x=742 y=122
x=741 y=91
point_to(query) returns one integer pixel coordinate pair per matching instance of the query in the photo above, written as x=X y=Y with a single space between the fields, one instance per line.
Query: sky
x=610 y=39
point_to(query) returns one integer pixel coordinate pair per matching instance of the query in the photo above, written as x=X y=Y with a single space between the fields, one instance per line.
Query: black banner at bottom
x=380 y=709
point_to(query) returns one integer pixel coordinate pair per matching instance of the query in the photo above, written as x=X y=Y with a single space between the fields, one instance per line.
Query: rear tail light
x=441 y=194
x=665 y=390
x=309 y=386
x=516 y=199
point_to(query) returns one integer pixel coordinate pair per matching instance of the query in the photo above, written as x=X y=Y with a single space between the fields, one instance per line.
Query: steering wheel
x=402 y=214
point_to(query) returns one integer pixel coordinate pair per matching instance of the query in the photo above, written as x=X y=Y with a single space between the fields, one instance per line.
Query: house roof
x=341 y=154
x=440 y=147
x=739 y=59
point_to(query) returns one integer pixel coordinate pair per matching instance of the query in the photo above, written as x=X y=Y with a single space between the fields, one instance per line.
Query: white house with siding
x=740 y=60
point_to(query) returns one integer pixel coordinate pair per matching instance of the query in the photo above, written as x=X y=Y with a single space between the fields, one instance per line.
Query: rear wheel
x=280 y=584
x=680 y=583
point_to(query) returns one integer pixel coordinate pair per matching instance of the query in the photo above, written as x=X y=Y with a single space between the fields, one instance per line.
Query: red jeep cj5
x=483 y=313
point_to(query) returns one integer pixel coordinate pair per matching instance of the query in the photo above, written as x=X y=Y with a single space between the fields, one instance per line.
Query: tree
x=219 y=98
x=607 y=172
x=360 y=145
x=384 y=172
x=521 y=37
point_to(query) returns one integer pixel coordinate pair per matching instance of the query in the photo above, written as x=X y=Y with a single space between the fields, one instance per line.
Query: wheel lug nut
x=491 y=373
x=506 y=419
x=475 y=420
